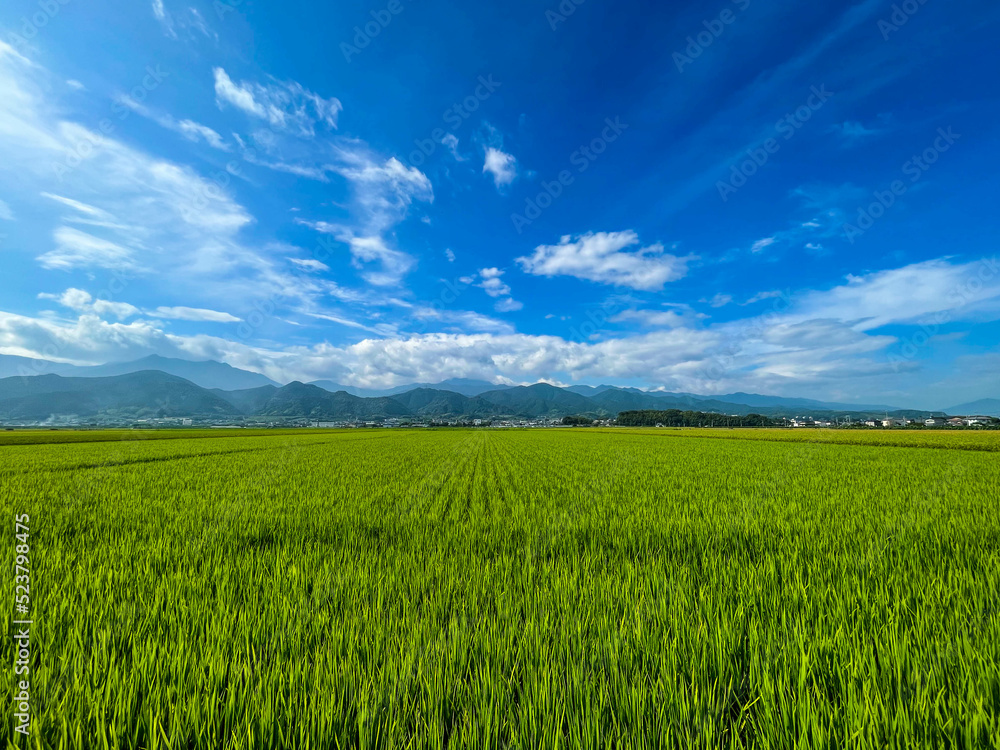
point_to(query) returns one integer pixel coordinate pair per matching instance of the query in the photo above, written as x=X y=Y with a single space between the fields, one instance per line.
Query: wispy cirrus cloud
x=193 y=314
x=76 y=249
x=852 y=132
x=285 y=106
x=189 y=129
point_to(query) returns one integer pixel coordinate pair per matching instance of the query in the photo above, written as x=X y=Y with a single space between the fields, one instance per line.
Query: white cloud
x=450 y=255
x=761 y=296
x=287 y=107
x=7 y=51
x=83 y=208
x=76 y=249
x=310 y=264
x=502 y=166
x=82 y=302
x=720 y=300
x=676 y=317
x=603 y=257
x=760 y=245
x=75 y=85
x=852 y=132
x=164 y=18
x=392 y=264
x=492 y=283
x=508 y=305
x=382 y=195
x=815 y=343
x=187 y=19
x=462 y=320
x=384 y=190
x=189 y=129
x=5 y=213
x=451 y=141
x=911 y=294
x=194 y=313
x=194 y=131
x=126 y=210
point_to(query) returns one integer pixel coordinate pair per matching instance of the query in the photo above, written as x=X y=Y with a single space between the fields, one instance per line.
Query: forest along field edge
x=637 y=588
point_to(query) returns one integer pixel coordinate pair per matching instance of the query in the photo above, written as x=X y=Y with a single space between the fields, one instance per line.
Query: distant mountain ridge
x=152 y=393
x=986 y=407
x=223 y=377
x=462 y=386
x=149 y=393
x=206 y=374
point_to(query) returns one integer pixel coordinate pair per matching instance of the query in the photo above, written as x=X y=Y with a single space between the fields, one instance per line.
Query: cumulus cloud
x=606 y=258
x=81 y=301
x=502 y=166
x=491 y=281
x=285 y=106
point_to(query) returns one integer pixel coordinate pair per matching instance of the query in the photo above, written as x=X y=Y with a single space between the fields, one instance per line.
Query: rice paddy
x=508 y=589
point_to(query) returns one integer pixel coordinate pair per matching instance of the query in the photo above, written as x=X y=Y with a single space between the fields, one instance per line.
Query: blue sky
x=748 y=195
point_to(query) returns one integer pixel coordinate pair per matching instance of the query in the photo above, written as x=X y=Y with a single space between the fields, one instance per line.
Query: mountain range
x=165 y=387
x=36 y=390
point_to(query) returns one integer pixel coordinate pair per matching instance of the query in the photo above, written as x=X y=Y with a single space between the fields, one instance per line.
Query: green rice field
x=595 y=588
